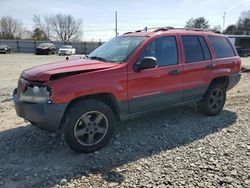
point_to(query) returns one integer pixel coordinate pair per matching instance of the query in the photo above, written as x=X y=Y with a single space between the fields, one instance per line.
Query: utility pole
x=224 y=18
x=116 y=32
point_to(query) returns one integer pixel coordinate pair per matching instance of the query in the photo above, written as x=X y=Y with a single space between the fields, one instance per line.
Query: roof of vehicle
x=46 y=44
x=66 y=46
x=3 y=45
x=157 y=31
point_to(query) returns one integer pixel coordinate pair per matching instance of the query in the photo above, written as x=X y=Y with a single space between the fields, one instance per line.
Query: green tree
x=231 y=30
x=200 y=22
x=243 y=26
x=38 y=34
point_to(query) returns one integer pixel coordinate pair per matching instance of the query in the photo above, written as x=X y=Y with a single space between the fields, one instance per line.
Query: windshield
x=44 y=45
x=66 y=47
x=117 y=49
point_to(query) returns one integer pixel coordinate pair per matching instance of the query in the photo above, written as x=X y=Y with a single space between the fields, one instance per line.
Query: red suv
x=133 y=74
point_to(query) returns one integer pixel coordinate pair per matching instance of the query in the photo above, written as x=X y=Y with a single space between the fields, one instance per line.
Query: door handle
x=211 y=66
x=174 y=72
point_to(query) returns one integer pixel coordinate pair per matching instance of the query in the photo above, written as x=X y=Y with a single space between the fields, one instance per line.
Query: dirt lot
x=172 y=148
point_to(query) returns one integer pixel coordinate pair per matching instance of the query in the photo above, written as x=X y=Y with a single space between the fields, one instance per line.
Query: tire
x=213 y=101
x=88 y=125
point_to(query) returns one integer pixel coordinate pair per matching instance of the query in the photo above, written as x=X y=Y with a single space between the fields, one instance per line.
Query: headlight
x=6 y=48
x=37 y=93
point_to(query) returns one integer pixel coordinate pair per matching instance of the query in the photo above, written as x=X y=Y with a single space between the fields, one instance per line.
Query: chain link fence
x=29 y=46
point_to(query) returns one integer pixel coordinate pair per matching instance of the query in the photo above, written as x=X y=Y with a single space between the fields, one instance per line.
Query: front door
x=157 y=87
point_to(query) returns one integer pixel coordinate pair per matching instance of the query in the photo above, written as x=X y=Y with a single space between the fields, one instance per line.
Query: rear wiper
x=98 y=58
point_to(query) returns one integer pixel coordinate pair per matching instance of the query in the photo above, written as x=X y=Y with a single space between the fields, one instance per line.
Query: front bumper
x=3 y=51
x=64 y=52
x=46 y=116
x=233 y=80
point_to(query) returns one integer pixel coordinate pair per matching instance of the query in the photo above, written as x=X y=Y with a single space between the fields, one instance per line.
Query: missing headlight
x=36 y=92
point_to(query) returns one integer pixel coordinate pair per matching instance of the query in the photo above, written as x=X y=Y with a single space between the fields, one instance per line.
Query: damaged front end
x=33 y=92
x=33 y=103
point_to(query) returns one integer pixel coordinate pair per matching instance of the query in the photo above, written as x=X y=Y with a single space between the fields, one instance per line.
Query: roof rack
x=157 y=29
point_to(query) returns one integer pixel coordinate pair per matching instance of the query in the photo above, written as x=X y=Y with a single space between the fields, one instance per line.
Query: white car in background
x=67 y=50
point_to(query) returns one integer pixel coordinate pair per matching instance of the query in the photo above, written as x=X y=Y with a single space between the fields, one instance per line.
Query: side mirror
x=146 y=63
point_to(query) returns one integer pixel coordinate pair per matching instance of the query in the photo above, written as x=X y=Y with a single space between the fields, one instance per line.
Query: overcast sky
x=98 y=16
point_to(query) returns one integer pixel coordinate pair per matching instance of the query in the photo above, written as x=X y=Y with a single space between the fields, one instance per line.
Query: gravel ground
x=171 y=148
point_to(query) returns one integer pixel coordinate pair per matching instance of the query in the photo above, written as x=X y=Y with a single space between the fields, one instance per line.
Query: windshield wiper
x=98 y=58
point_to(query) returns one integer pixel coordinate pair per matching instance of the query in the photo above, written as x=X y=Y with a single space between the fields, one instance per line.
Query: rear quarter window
x=222 y=47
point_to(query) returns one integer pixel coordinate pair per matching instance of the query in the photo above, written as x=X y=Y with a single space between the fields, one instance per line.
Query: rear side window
x=193 y=49
x=221 y=46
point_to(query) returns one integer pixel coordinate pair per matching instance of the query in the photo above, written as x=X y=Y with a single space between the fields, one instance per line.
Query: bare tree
x=66 y=27
x=10 y=28
x=63 y=27
x=43 y=24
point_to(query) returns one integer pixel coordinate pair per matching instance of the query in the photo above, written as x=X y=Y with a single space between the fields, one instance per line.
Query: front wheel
x=88 y=125
x=213 y=101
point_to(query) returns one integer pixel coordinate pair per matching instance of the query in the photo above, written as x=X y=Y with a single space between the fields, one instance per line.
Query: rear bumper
x=46 y=116
x=233 y=80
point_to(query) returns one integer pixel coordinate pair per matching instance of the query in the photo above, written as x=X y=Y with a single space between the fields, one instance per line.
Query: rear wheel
x=88 y=125
x=213 y=101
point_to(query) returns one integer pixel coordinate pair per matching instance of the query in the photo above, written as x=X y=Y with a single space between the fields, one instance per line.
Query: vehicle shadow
x=33 y=158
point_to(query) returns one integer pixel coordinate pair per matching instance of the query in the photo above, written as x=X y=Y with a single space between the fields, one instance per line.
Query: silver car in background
x=67 y=50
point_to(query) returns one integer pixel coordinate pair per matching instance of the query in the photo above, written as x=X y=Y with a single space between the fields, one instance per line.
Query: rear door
x=226 y=56
x=157 y=87
x=197 y=65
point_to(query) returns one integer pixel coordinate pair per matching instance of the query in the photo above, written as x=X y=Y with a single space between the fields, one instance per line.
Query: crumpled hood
x=44 y=72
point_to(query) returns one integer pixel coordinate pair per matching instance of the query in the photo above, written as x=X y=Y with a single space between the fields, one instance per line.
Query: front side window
x=117 y=49
x=164 y=49
x=221 y=46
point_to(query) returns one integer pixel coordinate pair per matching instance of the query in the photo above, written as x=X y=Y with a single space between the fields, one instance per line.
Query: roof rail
x=157 y=29
x=127 y=33
x=183 y=28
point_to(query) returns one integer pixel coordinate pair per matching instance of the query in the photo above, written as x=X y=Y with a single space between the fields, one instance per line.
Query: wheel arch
x=221 y=79
x=107 y=98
